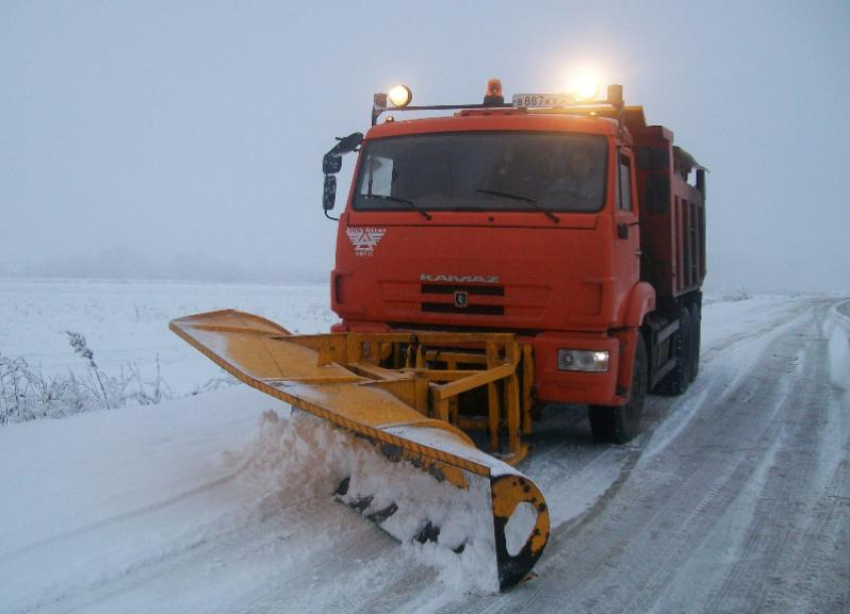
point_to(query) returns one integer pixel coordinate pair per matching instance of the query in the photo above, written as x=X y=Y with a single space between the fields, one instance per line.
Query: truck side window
x=624 y=185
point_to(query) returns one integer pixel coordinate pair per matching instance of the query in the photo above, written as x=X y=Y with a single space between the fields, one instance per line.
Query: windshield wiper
x=523 y=199
x=403 y=201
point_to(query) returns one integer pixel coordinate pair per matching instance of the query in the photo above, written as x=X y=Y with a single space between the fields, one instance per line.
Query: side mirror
x=331 y=163
x=329 y=196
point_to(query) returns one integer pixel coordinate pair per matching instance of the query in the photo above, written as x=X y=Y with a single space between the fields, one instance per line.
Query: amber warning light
x=493 y=95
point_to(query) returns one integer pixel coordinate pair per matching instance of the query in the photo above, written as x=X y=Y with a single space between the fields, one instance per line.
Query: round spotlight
x=586 y=87
x=401 y=96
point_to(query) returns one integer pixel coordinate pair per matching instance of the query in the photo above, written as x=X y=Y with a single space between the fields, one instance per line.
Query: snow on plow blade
x=339 y=378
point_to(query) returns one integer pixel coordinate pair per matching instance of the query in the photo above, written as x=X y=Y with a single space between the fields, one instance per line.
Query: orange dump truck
x=571 y=224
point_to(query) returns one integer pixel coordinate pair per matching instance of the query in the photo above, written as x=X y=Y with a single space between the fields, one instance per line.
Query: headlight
x=583 y=360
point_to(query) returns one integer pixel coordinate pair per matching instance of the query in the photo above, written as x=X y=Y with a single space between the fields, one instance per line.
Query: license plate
x=526 y=101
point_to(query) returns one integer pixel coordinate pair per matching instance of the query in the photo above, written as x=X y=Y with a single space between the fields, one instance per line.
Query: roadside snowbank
x=100 y=495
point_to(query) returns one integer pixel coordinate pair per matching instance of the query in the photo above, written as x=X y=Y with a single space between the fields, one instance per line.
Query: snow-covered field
x=126 y=323
x=736 y=499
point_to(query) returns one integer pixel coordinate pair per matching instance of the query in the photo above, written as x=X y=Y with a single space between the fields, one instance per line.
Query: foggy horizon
x=186 y=139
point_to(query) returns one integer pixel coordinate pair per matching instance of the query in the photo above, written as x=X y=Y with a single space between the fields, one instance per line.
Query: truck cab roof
x=497 y=120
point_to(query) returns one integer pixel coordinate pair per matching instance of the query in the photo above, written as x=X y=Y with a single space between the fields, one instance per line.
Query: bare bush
x=27 y=394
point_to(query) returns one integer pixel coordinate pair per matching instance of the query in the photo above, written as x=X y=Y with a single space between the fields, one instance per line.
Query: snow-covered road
x=735 y=499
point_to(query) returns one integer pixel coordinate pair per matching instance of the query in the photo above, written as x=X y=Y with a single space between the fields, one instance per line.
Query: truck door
x=627 y=231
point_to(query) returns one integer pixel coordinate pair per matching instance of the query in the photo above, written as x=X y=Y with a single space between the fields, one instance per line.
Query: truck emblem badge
x=365 y=240
x=461 y=298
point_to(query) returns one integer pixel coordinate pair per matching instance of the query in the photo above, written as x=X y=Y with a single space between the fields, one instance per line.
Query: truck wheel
x=696 y=325
x=622 y=423
x=676 y=382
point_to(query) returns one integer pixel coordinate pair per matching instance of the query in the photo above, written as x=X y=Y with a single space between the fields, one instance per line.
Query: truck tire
x=621 y=423
x=696 y=326
x=676 y=382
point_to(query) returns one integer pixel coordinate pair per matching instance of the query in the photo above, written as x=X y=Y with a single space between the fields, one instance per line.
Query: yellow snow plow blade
x=406 y=409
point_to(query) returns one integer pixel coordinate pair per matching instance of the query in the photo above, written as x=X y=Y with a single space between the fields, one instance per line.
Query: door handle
x=623 y=229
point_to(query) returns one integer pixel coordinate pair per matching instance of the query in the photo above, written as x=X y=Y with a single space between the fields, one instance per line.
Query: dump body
x=673 y=212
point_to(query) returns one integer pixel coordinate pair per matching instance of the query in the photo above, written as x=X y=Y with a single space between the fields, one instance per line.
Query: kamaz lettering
x=461 y=279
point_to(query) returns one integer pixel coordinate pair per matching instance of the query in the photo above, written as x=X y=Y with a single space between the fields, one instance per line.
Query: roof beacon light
x=401 y=96
x=493 y=95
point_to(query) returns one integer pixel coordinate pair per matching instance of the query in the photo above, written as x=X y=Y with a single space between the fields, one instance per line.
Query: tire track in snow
x=260 y=537
x=123 y=517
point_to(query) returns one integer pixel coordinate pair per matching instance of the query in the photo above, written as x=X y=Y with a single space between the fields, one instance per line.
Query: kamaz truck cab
x=569 y=223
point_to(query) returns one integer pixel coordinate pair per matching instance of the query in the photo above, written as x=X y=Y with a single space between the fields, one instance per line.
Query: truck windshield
x=505 y=171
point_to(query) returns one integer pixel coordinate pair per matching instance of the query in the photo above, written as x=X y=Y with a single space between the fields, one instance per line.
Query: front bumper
x=551 y=384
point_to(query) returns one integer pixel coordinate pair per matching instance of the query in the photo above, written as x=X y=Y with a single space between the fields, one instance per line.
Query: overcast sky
x=195 y=130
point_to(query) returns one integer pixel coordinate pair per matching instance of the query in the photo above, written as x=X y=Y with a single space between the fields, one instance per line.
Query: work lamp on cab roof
x=584 y=86
x=400 y=96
